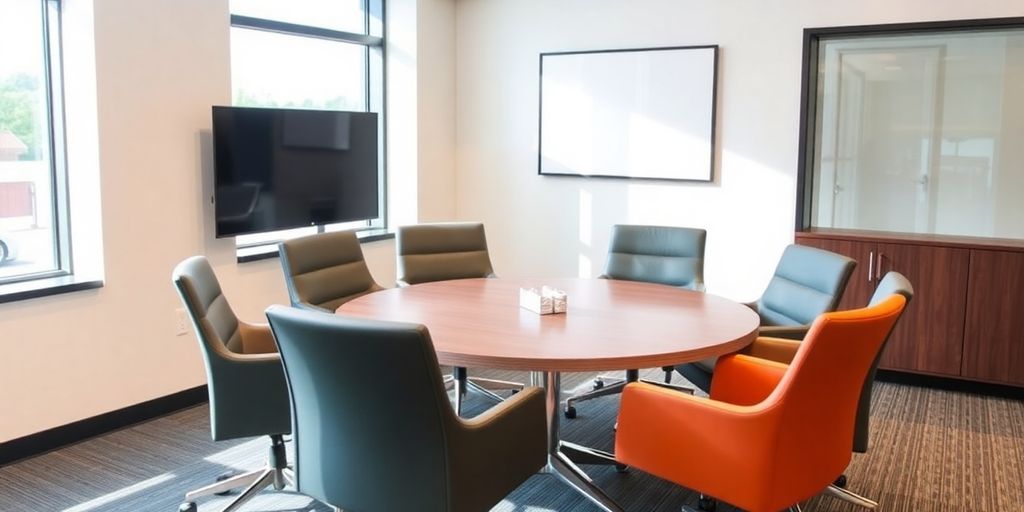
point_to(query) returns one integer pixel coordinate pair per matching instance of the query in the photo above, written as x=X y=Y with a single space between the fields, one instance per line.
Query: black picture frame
x=712 y=135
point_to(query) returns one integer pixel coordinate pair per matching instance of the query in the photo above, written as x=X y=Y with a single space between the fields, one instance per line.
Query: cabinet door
x=862 y=283
x=929 y=336
x=994 y=336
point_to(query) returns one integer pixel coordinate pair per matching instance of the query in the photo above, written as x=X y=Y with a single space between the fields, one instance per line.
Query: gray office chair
x=444 y=251
x=325 y=270
x=396 y=445
x=248 y=393
x=672 y=256
x=807 y=283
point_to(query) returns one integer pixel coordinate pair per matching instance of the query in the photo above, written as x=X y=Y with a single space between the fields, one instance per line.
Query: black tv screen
x=282 y=168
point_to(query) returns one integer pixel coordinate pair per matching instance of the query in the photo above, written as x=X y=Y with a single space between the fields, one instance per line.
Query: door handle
x=871 y=266
x=878 y=267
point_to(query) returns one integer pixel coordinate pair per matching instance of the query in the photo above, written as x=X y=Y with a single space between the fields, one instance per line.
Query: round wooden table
x=610 y=325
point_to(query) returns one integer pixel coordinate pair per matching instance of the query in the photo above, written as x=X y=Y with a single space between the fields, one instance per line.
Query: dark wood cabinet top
x=966 y=242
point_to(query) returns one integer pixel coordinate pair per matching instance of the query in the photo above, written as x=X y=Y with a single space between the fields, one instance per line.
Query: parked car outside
x=8 y=249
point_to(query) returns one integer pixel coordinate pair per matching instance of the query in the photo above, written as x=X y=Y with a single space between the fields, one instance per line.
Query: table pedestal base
x=563 y=455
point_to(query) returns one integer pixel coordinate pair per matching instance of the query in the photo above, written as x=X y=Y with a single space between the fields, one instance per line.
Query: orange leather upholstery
x=778 y=435
x=780 y=350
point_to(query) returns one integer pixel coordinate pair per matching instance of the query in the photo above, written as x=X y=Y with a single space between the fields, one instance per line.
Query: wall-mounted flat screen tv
x=283 y=168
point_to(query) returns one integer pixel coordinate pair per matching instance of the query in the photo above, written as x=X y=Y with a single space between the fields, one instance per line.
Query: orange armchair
x=778 y=434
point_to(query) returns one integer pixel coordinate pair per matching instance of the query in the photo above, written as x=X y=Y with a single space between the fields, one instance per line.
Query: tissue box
x=531 y=299
x=559 y=301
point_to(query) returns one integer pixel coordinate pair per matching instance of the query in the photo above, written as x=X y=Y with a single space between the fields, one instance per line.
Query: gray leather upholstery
x=807 y=282
x=325 y=270
x=248 y=394
x=657 y=254
x=442 y=251
x=891 y=283
x=396 y=444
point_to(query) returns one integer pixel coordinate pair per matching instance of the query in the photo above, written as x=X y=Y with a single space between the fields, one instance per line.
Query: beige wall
x=559 y=226
x=159 y=66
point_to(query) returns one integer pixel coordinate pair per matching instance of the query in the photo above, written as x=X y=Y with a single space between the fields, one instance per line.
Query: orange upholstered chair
x=777 y=434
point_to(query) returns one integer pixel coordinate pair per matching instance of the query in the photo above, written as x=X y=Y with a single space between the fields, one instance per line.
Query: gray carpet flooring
x=931 y=451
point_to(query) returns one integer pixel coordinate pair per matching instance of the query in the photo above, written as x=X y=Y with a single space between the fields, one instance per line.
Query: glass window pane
x=344 y=15
x=273 y=236
x=27 y=232
x=920 y=134
x=275 y=70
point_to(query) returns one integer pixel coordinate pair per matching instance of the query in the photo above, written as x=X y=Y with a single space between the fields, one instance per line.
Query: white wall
x=159 y=66
x=560 y=226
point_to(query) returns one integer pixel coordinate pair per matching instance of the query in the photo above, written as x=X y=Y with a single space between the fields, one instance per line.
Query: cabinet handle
x=878 y=268
x=871 y=265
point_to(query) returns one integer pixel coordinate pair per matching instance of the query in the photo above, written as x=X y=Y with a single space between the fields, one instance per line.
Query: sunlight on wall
x=740 y=256
x=586 y=232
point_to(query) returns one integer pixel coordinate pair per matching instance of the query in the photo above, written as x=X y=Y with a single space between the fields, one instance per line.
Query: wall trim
x=64 y=435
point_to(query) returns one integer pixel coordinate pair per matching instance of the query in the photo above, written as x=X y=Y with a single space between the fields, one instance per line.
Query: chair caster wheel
x=221 y=478
x=621 y=468
x=598 y=384
x=840 y=482
x=707 y=504
x=188 y=506
x=570 y=412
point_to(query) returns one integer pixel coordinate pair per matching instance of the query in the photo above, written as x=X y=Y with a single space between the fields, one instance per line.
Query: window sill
x=265 y=252
x=46 y=287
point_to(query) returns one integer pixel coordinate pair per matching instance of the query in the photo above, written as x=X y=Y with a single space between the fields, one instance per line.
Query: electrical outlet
x=180 y=322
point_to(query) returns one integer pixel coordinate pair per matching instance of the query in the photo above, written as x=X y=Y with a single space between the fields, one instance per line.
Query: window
x=315 y=54
x=34 y=239
x=916 y=128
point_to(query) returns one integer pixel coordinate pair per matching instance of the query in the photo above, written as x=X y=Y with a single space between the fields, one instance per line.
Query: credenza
x=967 y=317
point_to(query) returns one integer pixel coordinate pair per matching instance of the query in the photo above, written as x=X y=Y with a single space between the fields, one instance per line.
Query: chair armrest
x=508 y=443
x=257 y=338
x=709 y=446
x=745 y=380
x=780 y=350
x=792 y=332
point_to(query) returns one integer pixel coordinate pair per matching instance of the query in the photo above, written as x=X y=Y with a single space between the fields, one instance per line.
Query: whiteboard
x=640 y=113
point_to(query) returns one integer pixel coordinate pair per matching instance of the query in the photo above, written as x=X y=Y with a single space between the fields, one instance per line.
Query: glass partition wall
x=915 y=129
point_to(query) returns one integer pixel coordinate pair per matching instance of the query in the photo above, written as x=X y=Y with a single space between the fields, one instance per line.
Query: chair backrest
x=363 y=442
x=215 y=322
x=893 y=283
x=657 y=254
x=442 y=251
x=817 y=397
x=807 y=283
x=325 y=270
x=245 y=399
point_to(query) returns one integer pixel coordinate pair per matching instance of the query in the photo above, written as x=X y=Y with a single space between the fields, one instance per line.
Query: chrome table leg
x=559 y=463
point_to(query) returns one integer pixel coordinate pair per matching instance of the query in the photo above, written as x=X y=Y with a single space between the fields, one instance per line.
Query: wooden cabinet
x=967 y=316
x=929 y=336
x=994 y=333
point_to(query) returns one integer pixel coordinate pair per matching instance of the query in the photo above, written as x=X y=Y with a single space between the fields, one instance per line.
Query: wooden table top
x=610 y=324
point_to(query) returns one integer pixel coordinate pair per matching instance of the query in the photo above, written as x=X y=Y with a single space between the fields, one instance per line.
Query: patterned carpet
x=931 y=450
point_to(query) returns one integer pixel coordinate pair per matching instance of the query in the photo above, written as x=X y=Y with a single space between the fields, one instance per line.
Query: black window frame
x=812 y=39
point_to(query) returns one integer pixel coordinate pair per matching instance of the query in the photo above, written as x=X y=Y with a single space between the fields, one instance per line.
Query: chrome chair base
x=850 y=497
x=605 y=386
x=480 y=385
x=276 y=473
